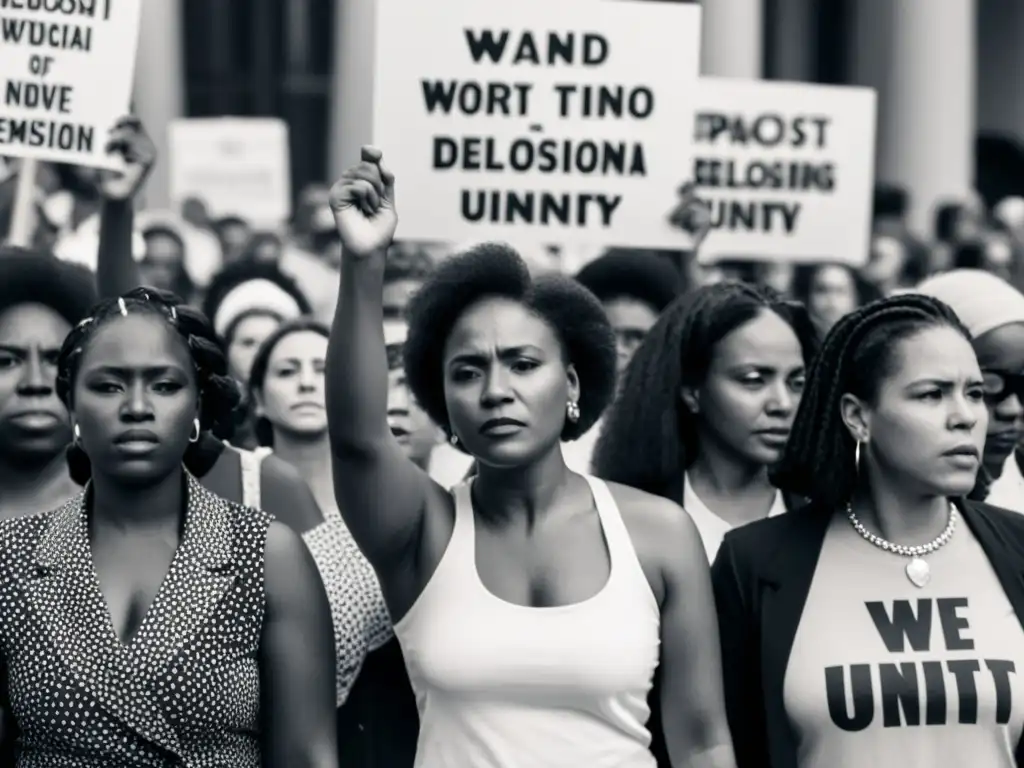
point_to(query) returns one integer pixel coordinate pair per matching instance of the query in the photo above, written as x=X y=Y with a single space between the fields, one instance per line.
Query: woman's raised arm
x=116 y=271
x=381 y=494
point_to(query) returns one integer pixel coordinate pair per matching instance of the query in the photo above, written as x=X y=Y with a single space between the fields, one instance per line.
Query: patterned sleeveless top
x=184 y=691
x=360 y=617
x=361 y=620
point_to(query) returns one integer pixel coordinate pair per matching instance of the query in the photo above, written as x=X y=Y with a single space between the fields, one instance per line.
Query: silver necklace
x=918 y=570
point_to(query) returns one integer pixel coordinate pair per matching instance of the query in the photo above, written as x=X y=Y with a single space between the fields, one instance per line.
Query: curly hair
x=640 y=275
x=36 y=277
x=244 y=270
x=858 y=354
x=219 y=394
x=649 y=437
x=496 y=270
x=261 y=362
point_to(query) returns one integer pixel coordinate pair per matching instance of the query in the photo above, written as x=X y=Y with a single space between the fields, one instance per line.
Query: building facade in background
x=951 y=110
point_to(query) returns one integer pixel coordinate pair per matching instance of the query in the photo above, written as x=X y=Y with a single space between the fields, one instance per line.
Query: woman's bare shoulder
x=663 y=534
x=646 y=509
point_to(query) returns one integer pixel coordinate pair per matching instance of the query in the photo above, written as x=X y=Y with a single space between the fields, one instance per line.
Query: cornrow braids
x=649 y=437
x=219 y=395
x=857 y=355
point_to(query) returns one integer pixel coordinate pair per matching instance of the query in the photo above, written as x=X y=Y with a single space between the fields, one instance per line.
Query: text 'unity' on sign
x=537 y=121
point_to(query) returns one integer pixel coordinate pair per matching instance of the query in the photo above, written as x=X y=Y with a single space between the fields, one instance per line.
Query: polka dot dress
x=361 y=620
x=183 y=692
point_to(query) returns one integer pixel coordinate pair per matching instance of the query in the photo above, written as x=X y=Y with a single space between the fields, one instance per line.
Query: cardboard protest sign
x=537 y=121
x=237 y=166
x=66 y=69
x=787 y=168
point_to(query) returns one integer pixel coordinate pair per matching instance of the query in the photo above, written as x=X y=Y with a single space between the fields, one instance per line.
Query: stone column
x=920 y=56
x=732 y=40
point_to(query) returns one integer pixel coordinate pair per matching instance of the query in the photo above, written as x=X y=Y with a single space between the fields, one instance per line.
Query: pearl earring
x=572 y=411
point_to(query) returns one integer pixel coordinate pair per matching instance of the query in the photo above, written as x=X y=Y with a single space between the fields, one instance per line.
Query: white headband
x=254 y=294
x=981 y=300
x=395 y=332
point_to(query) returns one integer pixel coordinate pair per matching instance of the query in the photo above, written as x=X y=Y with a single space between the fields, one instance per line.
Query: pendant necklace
x=918 y=570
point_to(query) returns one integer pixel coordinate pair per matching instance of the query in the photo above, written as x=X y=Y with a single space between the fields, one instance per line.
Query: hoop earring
x=856 y=459
x=197 y=429
x=572 y=411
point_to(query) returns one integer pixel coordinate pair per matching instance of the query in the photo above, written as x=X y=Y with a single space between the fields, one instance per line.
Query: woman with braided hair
x=881 y=623
x=148 y=621
x=247 y=477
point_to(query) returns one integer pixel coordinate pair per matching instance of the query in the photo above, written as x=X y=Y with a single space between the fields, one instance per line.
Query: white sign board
x=66 y=69
x=787 y=168
x=535 y=121
x=237 y=166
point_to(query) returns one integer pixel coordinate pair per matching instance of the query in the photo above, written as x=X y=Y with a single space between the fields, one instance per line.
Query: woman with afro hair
x=634 y=287
x=41 y=299
x=532 y=604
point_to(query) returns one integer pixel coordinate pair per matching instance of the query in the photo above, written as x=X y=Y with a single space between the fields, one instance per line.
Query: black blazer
x=762 y=576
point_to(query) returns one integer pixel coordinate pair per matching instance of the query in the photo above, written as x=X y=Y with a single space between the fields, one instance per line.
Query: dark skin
x=283 y=492
x=501 y=359
x=137 y=374
x=34 y=427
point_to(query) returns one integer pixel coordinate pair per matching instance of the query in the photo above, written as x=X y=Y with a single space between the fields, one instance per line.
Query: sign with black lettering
x=787 y=169
x=236 y=165
x=535 y=121
x=66 y=69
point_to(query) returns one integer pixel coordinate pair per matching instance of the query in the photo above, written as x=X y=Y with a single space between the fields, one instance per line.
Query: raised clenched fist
x=363 y=202
x=130 y=140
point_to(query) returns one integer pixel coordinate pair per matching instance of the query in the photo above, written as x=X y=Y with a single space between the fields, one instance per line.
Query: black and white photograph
x=511 y=384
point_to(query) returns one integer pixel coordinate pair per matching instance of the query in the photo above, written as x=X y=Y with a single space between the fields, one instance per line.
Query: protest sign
x=787 y=168
x=237 y=166
x=66 y=69
x=535 y=121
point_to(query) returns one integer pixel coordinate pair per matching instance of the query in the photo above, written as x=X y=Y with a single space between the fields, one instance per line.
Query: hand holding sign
x=691 y=215
x=130 y=140
x=363 y=202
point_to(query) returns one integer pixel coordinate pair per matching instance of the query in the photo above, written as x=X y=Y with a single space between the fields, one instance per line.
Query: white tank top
x=500 y=685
